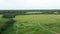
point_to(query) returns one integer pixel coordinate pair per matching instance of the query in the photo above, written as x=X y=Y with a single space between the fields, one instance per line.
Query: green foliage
x=8 y=15
x=35 y=24
x=2 y=21
x=23 y=12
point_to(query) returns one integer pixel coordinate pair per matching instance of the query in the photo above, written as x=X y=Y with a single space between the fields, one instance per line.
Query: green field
x=36 y=24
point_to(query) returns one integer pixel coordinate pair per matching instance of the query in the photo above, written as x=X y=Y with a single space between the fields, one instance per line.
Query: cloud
x=29 y=4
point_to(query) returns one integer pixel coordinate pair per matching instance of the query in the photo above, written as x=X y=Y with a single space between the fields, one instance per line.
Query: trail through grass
x=27 y=23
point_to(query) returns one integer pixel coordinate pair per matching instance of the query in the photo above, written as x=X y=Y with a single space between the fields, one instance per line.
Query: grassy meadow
x=35 y=24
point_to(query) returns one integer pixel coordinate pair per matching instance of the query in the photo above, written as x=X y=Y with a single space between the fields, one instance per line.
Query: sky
x=29 y=4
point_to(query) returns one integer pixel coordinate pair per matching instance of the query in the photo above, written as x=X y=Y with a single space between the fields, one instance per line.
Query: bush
x=9 y=15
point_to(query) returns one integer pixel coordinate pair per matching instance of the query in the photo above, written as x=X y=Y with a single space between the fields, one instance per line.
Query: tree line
x=13 y=13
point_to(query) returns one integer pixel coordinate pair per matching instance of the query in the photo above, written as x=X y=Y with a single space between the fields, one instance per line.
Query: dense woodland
x=24 y=11
x=13 y=13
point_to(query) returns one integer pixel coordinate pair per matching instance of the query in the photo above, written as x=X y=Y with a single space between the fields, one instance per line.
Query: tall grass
x=34 y=24
x=29 y=24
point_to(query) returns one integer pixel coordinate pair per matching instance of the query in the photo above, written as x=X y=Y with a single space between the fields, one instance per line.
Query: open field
x=35 y=24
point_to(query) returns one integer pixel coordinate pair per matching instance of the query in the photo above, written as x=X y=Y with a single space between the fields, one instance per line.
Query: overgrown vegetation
x=30 y=22
x=8 y=15
x=6 y=25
